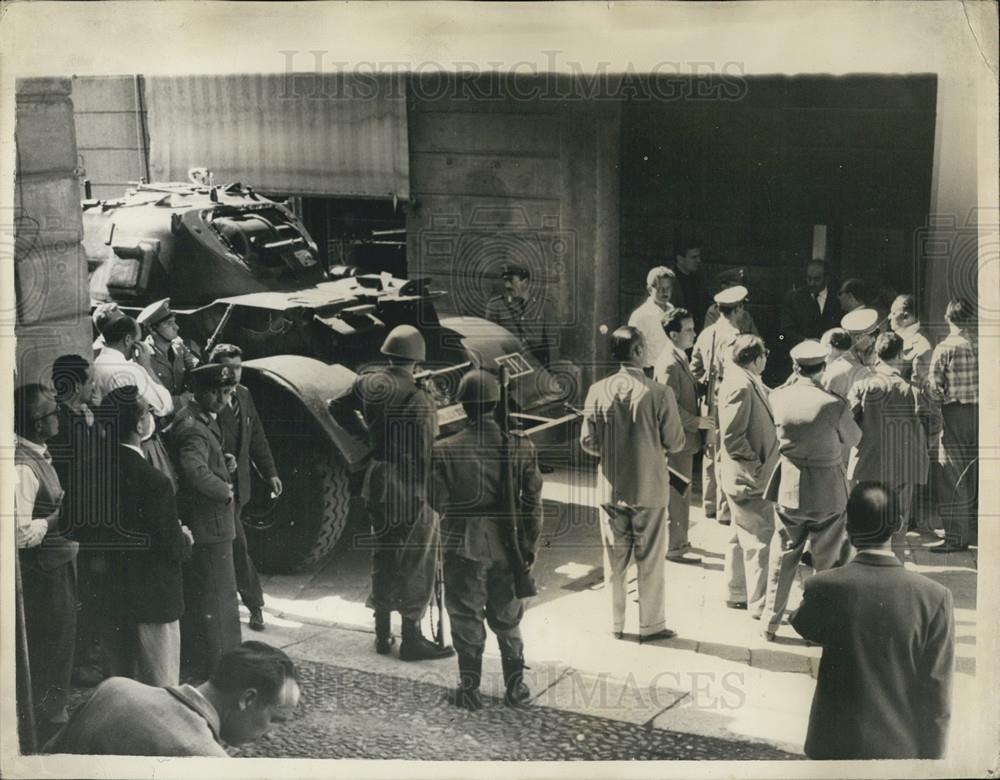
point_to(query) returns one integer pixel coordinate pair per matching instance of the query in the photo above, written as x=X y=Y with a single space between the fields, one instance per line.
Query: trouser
x=50 y=623
x=158 y=653
x=679 y=510
x=639 y=534
x=749 y=550
x=403 y=558
x=93 y=594
x=713 y=499
x=959 y=481
x=247 y=580
x=478 y=590
x=828 y=545
x=211 y=623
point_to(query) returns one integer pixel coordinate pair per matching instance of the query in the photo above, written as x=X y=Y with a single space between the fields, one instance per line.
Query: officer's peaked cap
x=154 y=313
x=809 y=353
x=515 y=269
x=732 y=295
x=212 y=377
x=860 y=321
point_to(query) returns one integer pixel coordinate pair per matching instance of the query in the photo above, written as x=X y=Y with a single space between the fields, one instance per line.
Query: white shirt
x=112 y=370
x=821 y=298
x=24 y=499
x=648 y=319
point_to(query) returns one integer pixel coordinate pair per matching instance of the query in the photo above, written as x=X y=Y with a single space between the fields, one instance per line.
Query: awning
x=303 y=134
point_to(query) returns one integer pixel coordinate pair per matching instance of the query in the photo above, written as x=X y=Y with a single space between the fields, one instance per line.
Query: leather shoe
x=947 y=547
x=666 y=633
x=736 y=604
x=767 y=636
x=684 y=558
x=256 y=619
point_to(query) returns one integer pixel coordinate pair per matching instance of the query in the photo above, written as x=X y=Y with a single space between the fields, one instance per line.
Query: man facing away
x=631 y=424
x=954 y=383
x=672 y=369
x=748 y=455
x=809 y=487
x=148 y=549
x=648 y=317
x=470 y=485
x=243 y=436
x=402 y=425
x=888 y=636
x=253 y=687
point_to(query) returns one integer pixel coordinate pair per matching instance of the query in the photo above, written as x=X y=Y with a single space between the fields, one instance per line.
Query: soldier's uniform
x=809 y=486
x=171 y=360
x=468 y=489
x=714 y=340
x=211 y=623
x=531 y=319
x=402 y=425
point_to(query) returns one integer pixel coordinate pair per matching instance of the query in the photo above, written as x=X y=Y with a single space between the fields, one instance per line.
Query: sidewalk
x=717 y=679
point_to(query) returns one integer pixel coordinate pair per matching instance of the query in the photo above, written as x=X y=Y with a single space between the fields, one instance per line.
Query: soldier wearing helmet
x=467 y=489
x=402 y=425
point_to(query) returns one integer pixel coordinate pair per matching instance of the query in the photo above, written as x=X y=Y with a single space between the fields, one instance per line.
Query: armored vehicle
x=241 y=268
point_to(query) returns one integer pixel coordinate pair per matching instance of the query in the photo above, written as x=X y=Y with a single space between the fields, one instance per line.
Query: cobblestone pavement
x=346 y=713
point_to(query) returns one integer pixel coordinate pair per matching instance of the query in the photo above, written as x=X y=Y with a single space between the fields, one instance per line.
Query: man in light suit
x=748 y=455
x=672 y=369
x=888 y=636
x=810 y=484
x=631 y=423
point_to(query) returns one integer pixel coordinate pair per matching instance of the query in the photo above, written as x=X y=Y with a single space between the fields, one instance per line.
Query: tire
x=296 y=530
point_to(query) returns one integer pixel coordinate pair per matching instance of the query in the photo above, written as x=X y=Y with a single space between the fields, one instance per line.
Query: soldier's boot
x=470 y=672
x=384 y=639
x=518 y=694
x=416 y=647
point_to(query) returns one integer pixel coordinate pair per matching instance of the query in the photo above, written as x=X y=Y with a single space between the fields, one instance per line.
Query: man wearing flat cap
x=170 y=357
x=205 y=503
x=732 y=277
x=526 y=314
x=809 y=486
x=708 y=359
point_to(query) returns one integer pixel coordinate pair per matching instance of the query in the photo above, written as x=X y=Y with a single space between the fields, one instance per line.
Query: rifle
x=437 y=600
x=524 y=583
x=218 y=330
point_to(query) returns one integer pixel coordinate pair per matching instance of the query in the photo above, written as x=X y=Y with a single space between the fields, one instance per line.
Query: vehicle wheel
x=294 y=531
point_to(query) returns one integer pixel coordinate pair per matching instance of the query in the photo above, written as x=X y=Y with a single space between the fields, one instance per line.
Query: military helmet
x=478 y=387
x=406 y=343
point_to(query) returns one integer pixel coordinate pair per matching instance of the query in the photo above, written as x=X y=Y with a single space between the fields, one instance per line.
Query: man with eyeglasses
x=47 y=558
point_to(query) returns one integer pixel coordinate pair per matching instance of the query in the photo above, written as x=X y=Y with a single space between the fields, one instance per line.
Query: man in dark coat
x=152 y=544
x=402 y=426
x=468 y=489
x=888 y=636
x=205 y=502
x=808 y=312
x=243 y=434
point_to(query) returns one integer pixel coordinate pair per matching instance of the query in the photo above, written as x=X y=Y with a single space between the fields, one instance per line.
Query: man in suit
x=631 y=424
x=648 y=316
x=888 y=636
x=748 y=455
x=150 y=545
x=896 y=418
x=243 y=435
x=809 y=486
x=708 y=362
x=47 y=558
x=468 y=489
x=807 y=312
x=853 y=295
x=672 y=370
x=205 y=502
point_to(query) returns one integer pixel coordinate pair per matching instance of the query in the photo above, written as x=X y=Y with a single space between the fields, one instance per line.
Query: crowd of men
x=870 y=406
x=133 y=468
